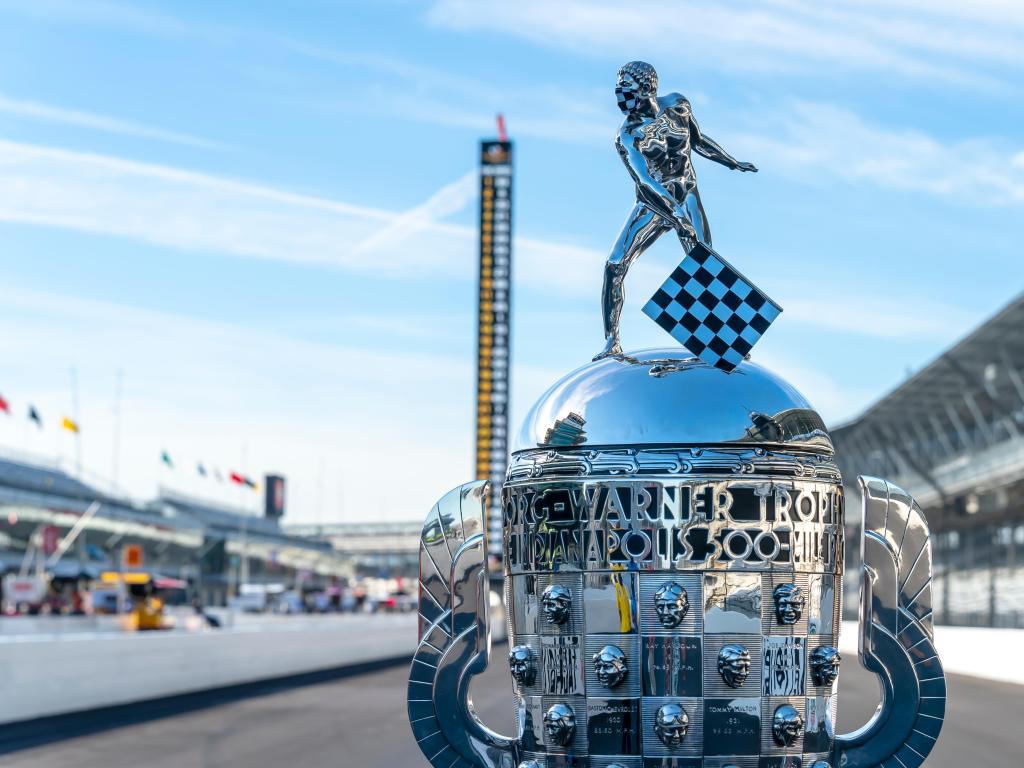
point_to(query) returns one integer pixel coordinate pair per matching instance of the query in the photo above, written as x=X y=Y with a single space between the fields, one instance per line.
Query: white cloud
x=421 y=93
x=817 y=140
x=910 y=39
x=448 y=200
x=171 y=207
x=101 y=13
x=183 y=209
x=52 y=114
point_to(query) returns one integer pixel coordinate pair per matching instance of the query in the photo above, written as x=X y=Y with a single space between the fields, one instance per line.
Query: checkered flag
x=711 y=309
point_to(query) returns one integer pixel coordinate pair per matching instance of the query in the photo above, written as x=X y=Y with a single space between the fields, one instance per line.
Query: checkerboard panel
x=711 y=309
x=726 y=726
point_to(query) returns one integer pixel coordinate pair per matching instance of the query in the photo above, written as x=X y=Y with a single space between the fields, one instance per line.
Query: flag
x=249 y=482
x=33 y=415
x=5 y=406
x=237 y=478
x=201 y=469
x=165 y=457
x=69 y=425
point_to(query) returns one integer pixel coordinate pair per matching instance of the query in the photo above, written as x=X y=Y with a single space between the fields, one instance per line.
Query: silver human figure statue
x=655 y=142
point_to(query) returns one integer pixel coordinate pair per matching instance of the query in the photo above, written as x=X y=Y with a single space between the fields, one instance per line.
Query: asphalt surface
x=360 y=722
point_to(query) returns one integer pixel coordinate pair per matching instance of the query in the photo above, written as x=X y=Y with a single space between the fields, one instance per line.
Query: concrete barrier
x=72 y=671
x=975 y=651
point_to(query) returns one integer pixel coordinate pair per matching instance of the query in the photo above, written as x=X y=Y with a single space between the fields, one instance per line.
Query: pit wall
x=57 y=672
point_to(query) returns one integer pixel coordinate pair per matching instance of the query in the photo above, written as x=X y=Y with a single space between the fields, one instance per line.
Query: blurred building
x=212 y=548
x=242 y=548
x=952 y=435
x=373 y=548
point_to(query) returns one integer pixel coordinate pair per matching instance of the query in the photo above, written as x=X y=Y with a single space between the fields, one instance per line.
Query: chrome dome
x=658 y=398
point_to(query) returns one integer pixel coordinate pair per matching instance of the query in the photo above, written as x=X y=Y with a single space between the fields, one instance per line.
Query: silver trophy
x=673 y=542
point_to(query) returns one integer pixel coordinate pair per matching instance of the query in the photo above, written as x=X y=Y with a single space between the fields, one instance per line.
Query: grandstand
x=212 y=548
x=372 y=548
x=952 y=435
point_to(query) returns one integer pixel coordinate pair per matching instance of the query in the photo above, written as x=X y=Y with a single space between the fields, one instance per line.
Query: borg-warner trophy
x=673 y=540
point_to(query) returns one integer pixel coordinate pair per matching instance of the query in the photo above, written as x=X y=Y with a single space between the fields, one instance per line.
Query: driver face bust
x=520 y=662
x=786 y=725
x=671 y=724
x=789 y=603
x=560 y=724
x=556 y=601
x=825 y=665
x=671 y=603
x=734 y=664
x=610 y=666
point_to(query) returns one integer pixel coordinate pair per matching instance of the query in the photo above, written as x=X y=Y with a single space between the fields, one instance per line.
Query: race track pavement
x=360 y=722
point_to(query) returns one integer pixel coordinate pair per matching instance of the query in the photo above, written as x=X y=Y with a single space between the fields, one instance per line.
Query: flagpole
x=243 y=573
x=78 y=421
x=320 y=494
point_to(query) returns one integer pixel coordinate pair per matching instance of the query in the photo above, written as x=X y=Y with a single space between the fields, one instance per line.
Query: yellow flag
x=70 y=425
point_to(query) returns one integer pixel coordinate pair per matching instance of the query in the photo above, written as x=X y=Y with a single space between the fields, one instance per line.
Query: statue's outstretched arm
x=648 y=189
x=709 y=148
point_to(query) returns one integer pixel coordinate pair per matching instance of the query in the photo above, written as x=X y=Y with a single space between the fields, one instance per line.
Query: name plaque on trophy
x=732 y=726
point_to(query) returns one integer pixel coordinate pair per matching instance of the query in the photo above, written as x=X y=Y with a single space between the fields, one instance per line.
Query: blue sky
x=263 y=215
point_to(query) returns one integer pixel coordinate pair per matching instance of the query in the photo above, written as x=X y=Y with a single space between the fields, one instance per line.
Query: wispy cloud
x=172 y=207
x=177 y=208
x=34 y=110
x=910 y=39
x=448 y=200
x=421 y=93
x=828 y=140
x=106 y=14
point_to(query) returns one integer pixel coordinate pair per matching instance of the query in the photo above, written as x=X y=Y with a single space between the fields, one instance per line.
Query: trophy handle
x=896 y=636
x=455 y=636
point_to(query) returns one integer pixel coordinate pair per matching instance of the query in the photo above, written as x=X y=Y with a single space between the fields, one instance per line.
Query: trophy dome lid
x=658 y=398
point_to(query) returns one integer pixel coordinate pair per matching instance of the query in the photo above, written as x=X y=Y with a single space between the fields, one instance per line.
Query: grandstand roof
x=956 y=427
x=227 y=522
x=32 y=487
x=998 y=341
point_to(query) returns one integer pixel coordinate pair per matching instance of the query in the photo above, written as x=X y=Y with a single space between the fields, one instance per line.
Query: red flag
x=237 y=478
x=5 y=406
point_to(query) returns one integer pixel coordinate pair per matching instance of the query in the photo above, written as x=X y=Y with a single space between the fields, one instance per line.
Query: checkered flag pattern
x=711 y=309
